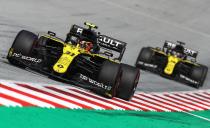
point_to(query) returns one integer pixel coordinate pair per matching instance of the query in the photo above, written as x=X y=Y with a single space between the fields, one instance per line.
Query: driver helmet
x=87 y=45
x=178 y=51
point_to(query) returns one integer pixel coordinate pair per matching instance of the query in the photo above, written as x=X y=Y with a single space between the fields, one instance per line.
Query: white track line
x=199 y=99
x=9 y=103
x=203 y=96
x=167 y=102
x=143 y=104
x=192 y=100
x=185 y=99
x=207 y=93
x=25 y=98
x=90 y=98
x=155 y=102
x=45 y=96
x=140 y=105
x=201 y=117
x=171 y=101
x=150 y=104
x=110 y=100
x=73 y=99
x=186 y=102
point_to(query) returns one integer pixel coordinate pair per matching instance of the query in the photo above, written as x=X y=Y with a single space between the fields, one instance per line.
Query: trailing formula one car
x=173 y=61
x=86 y=59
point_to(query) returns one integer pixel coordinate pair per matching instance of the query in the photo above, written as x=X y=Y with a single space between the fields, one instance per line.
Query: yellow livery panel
x=172 y=61
x=69 y=53
x=63 y=63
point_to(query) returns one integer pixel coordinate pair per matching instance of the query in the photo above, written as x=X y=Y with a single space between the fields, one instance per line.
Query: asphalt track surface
x=137 y=22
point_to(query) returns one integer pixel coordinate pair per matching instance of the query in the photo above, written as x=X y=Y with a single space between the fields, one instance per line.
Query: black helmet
x=89 y=35
x=178 y=51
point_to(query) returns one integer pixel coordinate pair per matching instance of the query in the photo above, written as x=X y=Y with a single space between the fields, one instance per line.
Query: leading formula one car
x=173 y=61
x=86 y=59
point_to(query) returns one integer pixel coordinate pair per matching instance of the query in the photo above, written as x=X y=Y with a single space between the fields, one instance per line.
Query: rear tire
x=129 y=81
x=199 y=74
x=145 y=56
x=23 y=43
x=110 y=75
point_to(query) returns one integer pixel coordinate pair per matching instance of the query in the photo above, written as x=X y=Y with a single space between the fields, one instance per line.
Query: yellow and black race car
x=86 y=59
x=173 y=61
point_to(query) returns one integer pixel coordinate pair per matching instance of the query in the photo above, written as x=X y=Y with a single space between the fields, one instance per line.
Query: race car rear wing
x=83 y=33
x=187 y=51
x=102 y=40
x=113 y=44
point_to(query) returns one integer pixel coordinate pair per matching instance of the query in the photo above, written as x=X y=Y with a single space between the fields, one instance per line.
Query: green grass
x=33 y=117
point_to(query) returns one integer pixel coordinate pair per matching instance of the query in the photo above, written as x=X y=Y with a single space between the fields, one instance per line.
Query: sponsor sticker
x=28 y=58
x=147 y=64
x=188 y=79
x=104 y=40
x=101 y=85
x=189 y=52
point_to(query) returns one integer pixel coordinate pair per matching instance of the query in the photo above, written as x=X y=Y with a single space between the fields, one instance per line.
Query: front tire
x=23 y=43
x=144 y=56
x=199 y=74
x=129 y=82
x=110 y=74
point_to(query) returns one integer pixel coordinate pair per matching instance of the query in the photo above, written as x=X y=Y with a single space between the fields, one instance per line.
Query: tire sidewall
x=129 y=82
x=145 y=56
x=24 y=42
x=110 y=74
